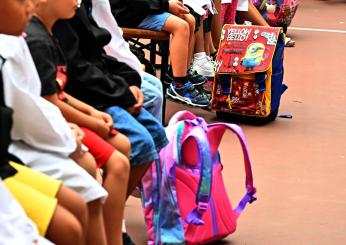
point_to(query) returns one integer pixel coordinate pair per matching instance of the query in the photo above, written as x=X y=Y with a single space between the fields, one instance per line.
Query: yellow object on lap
x=36 y=193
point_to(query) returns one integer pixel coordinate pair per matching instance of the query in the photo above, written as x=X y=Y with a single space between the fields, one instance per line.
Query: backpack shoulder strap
x=196 y=138
x=180 y=115
x=215 y=133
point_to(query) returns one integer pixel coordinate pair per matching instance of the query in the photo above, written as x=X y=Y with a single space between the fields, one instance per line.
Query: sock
x=199 y=56
x=180 y=81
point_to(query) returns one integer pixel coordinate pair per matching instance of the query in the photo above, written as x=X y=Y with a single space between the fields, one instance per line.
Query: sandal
x=289 y=42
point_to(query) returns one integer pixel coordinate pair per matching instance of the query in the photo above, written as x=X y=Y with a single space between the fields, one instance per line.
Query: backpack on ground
x=249 y=72
x=183 y=194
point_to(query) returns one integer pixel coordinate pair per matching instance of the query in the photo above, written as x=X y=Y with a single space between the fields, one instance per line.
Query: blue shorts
x=145 y=132
x=154 y=22
x=153 y=95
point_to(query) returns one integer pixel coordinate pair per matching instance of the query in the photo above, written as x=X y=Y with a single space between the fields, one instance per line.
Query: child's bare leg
x=136 y=173
x=87 y=162
x=199 y=45
x=216 y=24
x=192 y=22
x=179 y=51
x=64 y=228
x=96 y=227
x=75 y=204
x=121 y=143
x=208 y=43
x=116 y=176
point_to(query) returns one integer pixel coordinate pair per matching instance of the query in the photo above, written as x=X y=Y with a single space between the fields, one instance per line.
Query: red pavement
x=299 y=164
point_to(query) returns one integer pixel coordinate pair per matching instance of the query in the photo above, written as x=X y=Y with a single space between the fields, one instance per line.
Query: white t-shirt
x=243 y=5
x=15 y=226
x=118 y=47
x=36 y=121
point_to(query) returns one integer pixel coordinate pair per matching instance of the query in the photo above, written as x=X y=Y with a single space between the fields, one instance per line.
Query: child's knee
x=184 y=26
x=191 y=21
x=181 y=26
x=118 y=166
x=122 y=144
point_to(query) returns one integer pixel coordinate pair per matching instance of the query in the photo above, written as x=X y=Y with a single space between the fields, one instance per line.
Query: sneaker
x=188 y=94
x=203 y=67
x=211 y=60
x=195 y=78
x=213 y=55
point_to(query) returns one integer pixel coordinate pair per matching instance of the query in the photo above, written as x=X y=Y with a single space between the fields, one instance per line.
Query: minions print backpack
x=249 y=73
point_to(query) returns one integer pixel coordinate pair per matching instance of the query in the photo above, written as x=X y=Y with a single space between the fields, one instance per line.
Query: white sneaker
x=203 y=67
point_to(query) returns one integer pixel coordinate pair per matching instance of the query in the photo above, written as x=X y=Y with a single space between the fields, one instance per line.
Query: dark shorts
x=145 y=132
x=207 y=23
x=196 y=16
x=98 y=147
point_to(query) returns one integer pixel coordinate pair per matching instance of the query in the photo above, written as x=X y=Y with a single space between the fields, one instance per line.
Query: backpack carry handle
x=250 y=189
x=204 y=156
x=180 y=116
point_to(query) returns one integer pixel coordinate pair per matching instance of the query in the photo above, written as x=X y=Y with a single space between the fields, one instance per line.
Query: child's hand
x=77 y=132
x=177 y=8
x=79 y=136
x=103 y=116
x=137 y=93
x=102 y=129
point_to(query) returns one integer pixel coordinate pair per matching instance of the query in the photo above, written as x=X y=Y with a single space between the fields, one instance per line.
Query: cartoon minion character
x=253 y=56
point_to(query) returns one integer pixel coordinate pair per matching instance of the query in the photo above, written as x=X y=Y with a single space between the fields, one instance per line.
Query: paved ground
x=299 y=164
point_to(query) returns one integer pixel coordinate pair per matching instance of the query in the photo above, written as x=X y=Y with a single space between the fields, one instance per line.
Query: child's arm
x=80 y=118
x=89 y=110
x=253 y=15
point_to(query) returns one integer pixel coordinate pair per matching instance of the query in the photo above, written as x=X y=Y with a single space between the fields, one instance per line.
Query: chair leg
x=153 y=52
x=164 y=68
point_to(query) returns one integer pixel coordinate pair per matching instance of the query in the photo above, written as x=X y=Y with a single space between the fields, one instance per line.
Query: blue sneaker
x=195 y=78
x=188 y=94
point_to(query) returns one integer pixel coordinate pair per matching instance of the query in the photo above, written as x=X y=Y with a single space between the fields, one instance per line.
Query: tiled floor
x=299 y=164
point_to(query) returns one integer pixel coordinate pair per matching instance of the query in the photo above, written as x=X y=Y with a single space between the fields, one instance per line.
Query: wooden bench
x=158 y=46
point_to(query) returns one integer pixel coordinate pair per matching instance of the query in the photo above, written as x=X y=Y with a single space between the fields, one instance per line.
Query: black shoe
x=127 y=239
x=213 y=54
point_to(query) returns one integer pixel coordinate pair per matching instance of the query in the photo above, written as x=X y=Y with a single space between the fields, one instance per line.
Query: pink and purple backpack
x=183 y=194
x=282 y=11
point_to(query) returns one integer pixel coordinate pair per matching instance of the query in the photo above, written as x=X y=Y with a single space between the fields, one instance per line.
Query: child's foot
x=188 y=94
x=213 y=54
x=203 y=67
x=289 y=42
x=195 y=78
